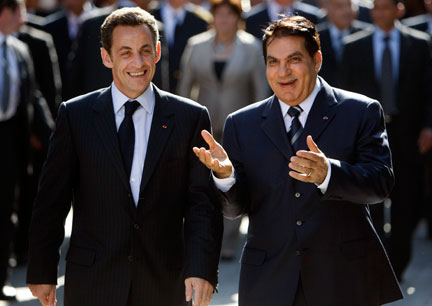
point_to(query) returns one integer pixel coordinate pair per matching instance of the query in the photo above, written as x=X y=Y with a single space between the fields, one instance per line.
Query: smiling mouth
x=287 y=83
x=135 y=74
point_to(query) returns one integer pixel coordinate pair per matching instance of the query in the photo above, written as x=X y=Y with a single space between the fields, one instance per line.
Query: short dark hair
x=128 y=16
x=292 y=26
x=235 y=5
x=12 y=4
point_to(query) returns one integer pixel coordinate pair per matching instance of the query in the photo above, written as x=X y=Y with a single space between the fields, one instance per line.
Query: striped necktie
x=296 y=127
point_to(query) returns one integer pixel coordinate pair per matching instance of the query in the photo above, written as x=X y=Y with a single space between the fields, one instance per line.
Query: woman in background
x=223 y=68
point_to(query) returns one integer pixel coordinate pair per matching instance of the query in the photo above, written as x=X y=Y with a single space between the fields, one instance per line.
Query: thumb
x=189 y=290
x=312 y=145
x=209 y=139
x=51 y=297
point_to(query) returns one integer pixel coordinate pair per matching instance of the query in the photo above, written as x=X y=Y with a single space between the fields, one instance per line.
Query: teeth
x=136 y=73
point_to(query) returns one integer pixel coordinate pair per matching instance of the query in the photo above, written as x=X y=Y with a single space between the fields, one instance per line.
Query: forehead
x=281 y=47
x=385 y=3
x=131 y=36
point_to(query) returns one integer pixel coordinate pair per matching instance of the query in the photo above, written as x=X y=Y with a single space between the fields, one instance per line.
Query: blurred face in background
x=340 y=12
x=177 y=3
x=226 y=20
x=385 y=13
x=12 y=20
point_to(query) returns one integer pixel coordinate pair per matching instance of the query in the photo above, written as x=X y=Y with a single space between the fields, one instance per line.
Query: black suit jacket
x=193 y=24
x=419 y=22
x=87 y=70
x=296 y=230
x=330 y=65
x=57 y=26
x=413 y=90
x=258 y=17
x=173 y=233
x=46 y=66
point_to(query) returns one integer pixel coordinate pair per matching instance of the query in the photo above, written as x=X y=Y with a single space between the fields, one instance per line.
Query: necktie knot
x=131 y=107
x=386 y=39
x=294 y=111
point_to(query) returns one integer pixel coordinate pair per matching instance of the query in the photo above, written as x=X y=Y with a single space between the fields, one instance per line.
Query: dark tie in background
x=387 y=83
x=6 y=80
x=126 y=135
x=296 y=127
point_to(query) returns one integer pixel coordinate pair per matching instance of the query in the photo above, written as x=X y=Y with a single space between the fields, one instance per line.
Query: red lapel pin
x=164 y=126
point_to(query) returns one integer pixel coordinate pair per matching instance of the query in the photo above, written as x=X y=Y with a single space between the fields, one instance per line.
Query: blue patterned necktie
x=296 y=127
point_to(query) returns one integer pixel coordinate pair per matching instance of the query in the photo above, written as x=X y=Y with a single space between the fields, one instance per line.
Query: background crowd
x=211 y=53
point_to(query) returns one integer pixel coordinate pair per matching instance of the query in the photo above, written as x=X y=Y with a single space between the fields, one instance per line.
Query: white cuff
x=324 y=185
x=225 y=184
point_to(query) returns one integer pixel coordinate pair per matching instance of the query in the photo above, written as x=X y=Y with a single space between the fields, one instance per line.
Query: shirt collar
x=306 y=105
x=2 y=38
x=180 y=13
x=381 y=34
x=335 y=32
x=146 y=99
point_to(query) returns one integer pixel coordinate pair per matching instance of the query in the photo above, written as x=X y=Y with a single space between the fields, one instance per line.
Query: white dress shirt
x=142 y=119
x=15 y=82
x=170 y=18
x=378 y=49
x=336 y=37
x=75 y=21
x=225 y=184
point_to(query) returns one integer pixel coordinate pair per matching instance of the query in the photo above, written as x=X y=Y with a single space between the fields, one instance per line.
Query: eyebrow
x=129 y=48
x=295 y=53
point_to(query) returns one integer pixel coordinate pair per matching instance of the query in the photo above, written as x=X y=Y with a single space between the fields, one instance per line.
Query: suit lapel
x=161 y=127
x=274 y=127
x=104 y=121
x=320 y=115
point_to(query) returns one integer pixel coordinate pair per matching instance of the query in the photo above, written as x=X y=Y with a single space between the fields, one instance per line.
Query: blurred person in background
x=16 y=93
x=339 y=23
x=393 y=64
x=262 y=14
x=64 y=27
x=181 y=20
x=223 y=70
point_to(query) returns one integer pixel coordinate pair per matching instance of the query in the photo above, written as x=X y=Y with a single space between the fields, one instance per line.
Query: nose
x=284 y=69
x=138 y=60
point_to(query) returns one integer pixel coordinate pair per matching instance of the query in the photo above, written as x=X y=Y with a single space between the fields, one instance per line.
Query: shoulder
x=358 y=37
x=256 y=12
x=55 y=19
x=413 y=33
x=36 y=34
x=309 y=9
x=247 y=38
x=253 y=110
x=354 y=101
x=415 y=20
x=178 y=103
x=202 y=38
x=87 y=100
x=19 y=46
x=198 y=13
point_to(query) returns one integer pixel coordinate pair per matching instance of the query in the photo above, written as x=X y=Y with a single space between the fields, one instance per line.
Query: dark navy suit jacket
x=295 y=230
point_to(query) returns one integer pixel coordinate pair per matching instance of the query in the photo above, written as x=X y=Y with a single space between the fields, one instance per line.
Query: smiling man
x=146 y=229
x=304 y=165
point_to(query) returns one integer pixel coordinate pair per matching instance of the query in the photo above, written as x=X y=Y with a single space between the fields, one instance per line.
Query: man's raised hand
x=216 y=159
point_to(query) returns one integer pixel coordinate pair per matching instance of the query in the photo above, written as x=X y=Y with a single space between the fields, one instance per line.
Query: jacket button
x=299 y=222
x=297 y=195
x=297 y=253
x=136 y=226
x=130 y=258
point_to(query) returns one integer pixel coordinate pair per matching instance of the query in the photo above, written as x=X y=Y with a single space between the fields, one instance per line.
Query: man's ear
x=158 y=52
x=106 y=58
x=318 y=60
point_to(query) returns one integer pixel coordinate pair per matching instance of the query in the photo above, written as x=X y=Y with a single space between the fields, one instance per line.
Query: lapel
x=161 y=127
x=320 y=115
x=405 y=47
x=104 y=122
x=274 y=127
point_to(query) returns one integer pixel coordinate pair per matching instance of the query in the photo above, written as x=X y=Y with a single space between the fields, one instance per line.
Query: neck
x=225 y=38
x=387 y=29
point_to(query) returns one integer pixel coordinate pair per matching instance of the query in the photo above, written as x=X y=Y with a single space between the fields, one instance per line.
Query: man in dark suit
x=87 y=70
x=146 y=228
x=307 y=163
x=262 y=14
x=401 y=82
x=16 y=92
x=181 y=21
x=64 y=27
x=340 y=22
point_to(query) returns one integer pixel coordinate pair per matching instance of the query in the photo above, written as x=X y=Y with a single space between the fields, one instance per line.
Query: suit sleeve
x=236 y=201
x=52 y=204
x=203 y=218
x=370 y=179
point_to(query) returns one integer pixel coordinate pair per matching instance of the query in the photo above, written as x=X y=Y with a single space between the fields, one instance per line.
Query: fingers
x=188 y=289
x=202 y=291
x=209 y=139
x=45 y=293
x=312 y=145
x=52 y=298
